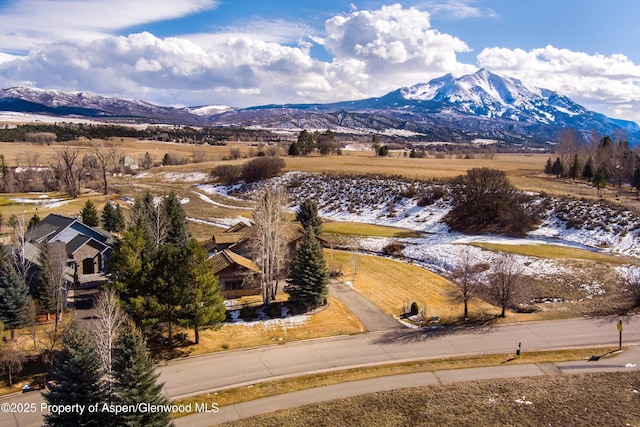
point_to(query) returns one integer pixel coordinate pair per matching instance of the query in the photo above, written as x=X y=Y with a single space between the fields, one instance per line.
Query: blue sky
x=241 y=53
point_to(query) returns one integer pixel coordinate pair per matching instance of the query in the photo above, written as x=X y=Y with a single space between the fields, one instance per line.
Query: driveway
x=373 y=318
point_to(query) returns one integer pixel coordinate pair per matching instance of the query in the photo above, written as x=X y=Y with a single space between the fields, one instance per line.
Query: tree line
x=600 y=160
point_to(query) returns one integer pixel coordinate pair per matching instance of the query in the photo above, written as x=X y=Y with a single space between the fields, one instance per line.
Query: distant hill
x=480 y=105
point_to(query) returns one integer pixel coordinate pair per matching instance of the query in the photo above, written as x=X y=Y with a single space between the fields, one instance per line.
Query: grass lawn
x=557 y=252
x=369 y=230
x=333 y=320
x=391 y=285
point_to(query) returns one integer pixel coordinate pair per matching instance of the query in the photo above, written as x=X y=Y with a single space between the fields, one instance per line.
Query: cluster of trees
x=255 y=170
x=306 y=274
x=162 y=273
x=484 y=200
x=600 y=161
x=503 y=283
x=105 y=369
x=307 y=143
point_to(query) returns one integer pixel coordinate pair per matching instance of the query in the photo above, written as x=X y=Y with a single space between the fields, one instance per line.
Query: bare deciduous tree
x=18 y=225
x=269 y=241
x=465 y=276
x=110 y=321
x=504 y=282
x=633 y=286
x=68 y=169
x=12 y=358
x=106 y=158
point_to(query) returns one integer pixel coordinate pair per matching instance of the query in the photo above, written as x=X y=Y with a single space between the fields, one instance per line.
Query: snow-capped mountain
x=59 y=103
x=479 y=105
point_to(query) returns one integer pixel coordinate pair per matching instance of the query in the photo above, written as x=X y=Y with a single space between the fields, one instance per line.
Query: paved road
x=622 y=362
x=210 y=372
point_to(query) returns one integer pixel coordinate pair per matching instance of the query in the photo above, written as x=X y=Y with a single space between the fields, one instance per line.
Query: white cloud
x=608 y=84
x=27 y=23
x=457 y=9
x=373 y=52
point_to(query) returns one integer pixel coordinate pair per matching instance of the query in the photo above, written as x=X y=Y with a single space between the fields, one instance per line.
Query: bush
x=484 y=201
x=228 y=174
x=262 y=168
x=414 y=309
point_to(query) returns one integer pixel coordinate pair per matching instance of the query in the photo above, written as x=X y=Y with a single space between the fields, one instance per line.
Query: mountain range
x=480 y=105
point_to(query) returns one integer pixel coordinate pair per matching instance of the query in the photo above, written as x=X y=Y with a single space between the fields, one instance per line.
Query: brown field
x=606 y=399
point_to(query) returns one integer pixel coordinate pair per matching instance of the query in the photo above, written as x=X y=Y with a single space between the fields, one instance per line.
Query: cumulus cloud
x=373 y=52
x=608 y=84
x=394 y=41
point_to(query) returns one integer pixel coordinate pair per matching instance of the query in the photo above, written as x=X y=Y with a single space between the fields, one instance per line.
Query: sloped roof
x=80 y=240
x=49 y=227
x=228 y=238
x=225 y=259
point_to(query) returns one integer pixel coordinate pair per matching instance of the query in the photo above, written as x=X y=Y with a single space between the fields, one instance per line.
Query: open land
x=577 y=280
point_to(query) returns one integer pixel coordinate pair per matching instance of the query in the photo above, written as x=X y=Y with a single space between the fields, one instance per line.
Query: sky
x=245 y=53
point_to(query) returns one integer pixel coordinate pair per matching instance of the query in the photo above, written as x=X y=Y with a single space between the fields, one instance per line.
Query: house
x=236 y=274
x=230 y=254
x=87 y=248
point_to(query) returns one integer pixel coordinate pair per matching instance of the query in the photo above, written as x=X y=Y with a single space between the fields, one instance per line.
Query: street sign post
x=620 y=331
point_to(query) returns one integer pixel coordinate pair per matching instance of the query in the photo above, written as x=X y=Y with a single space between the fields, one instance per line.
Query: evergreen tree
x=16 y=305
x=89 y=214
x=108 y=217
x=635 y=180
x=294 y=149
x=558 y=168
x=575 y=169
x=600 y=179
x=587 y=171
x=77 y=379
x=119 y=221
x=35 y=219
x=308 y=216
x=548 y=167
x=137 y=382
x=204 y=306
x=178 y=232
x=307 y=281
x=305 y=142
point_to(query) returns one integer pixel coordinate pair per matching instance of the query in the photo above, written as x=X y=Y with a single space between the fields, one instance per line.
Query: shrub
x=228 y=174
x=262 y=168
x=485 y=201
x=414 y=309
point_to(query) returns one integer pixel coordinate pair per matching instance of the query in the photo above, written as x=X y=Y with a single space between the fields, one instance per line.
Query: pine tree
x=307 y=281
x=35 y=219
x=137 y=382
x=119 y=222
x=575 y=169
x=587 y=171
x=294 y=149
x=89 y=214
x=108 y=217
x=558 y=168
x=204 y=306
x=308 y=216
x=600 y=179
x=77 y=379
x=548 y=167
x=16 y=305
x=178 y=232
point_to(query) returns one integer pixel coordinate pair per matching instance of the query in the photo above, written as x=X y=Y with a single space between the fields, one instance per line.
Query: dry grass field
x=609 y=399
x=393 y=285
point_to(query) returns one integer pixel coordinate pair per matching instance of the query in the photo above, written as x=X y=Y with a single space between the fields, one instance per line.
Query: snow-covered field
x=594 y=226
